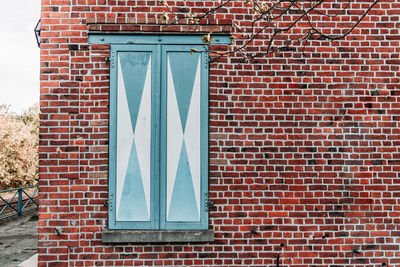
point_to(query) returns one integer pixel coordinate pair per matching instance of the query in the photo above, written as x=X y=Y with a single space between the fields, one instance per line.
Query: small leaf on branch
x=207 y=38
x=163 y=2
x=237 y=26
x=193 y=50
x=192 y=17
x=164 y=17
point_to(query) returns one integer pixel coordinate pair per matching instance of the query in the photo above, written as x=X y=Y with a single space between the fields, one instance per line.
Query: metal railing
x=23 y=200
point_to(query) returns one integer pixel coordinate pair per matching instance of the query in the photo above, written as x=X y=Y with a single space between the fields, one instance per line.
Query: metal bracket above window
x=37 y=33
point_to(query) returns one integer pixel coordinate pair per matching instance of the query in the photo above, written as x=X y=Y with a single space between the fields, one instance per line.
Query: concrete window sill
x=157 y=236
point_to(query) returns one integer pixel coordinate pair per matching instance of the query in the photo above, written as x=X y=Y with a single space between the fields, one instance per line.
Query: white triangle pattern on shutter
x=183 y=150
x=133 y=147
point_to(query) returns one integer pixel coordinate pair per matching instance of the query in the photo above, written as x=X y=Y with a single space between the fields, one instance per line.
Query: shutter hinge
x=207 y=203
x=105 y=204
x=107 y=60
x=110 y=202
x=111 y=60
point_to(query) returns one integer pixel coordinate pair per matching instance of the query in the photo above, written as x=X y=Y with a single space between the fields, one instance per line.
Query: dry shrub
x=19 y=139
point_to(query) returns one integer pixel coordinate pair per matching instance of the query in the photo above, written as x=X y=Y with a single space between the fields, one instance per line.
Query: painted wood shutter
x=158 y=137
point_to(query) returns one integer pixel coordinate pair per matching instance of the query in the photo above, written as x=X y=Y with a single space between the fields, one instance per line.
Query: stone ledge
x=157 y=236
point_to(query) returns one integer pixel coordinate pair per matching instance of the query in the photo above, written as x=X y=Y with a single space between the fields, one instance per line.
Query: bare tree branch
x=268 y=19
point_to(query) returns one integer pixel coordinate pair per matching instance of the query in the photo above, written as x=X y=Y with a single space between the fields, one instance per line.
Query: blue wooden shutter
x=133 y=138
x=184 y=138
x=158 y=137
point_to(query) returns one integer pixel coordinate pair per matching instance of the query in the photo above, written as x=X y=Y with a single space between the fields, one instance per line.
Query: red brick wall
x=304 y=147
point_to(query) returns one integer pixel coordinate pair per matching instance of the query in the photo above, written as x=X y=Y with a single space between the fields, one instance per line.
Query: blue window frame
x=158 y=151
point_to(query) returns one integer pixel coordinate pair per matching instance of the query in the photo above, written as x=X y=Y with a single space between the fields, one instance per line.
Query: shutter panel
x=130 y=135
x=185 y=146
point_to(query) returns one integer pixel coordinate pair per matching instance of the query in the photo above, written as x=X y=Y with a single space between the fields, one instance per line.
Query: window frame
x=158 y=217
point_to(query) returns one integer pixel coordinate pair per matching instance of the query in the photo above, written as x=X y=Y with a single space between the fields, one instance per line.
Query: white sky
x=19 y=54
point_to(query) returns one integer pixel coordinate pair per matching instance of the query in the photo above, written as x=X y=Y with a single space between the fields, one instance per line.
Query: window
x=158 y=157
